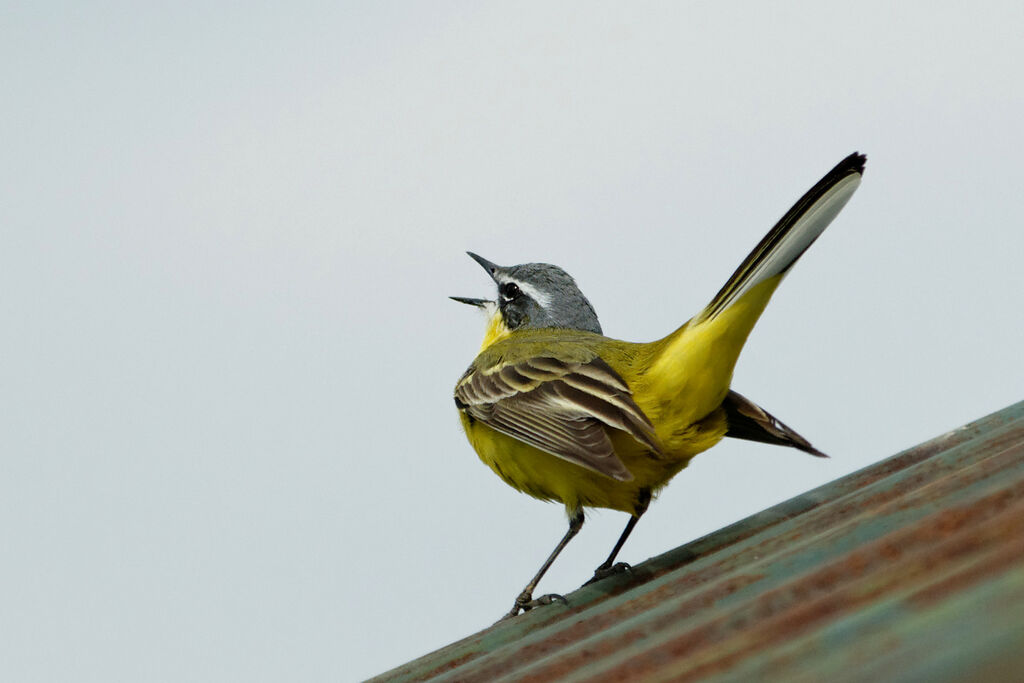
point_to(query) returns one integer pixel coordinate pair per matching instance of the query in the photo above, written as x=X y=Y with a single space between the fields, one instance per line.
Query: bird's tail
x=747 y=420
x=697 y=360
x=791 y=236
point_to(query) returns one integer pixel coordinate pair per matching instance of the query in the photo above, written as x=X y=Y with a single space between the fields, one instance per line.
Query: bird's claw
x=526 y=602
x=605 y=572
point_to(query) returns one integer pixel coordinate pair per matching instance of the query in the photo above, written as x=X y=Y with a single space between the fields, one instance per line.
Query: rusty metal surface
x=910 y=569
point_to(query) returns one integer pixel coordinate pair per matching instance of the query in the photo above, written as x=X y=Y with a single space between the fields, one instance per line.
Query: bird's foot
x=526 y=602
x=603 y=572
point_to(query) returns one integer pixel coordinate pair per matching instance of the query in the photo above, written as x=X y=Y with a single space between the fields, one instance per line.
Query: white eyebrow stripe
x=543 y=299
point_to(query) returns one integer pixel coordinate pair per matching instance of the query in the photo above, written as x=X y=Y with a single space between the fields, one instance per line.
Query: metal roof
x=910 y=569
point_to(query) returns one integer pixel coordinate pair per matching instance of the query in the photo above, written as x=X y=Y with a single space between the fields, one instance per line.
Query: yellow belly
x=548 y=477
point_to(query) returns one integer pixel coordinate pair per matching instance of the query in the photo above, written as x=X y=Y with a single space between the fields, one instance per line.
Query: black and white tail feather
x=774 y=255
x=792 y=235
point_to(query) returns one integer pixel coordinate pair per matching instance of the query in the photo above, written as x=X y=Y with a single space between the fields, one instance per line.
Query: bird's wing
x=792 y=235
x=561 y=407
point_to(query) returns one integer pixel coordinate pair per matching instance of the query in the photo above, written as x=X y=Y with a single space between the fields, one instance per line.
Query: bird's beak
x=479 y=303
x=491 y=268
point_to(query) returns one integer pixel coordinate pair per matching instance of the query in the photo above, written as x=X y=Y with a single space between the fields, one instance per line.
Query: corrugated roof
x=910 y=569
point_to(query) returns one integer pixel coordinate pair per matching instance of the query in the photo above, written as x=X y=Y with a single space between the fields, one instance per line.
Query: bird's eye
x=509 y=291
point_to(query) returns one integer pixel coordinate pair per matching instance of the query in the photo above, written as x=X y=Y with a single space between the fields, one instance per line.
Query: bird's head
x=535 y=295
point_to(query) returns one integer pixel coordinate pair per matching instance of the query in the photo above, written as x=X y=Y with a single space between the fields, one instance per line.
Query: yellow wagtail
x=563 y=413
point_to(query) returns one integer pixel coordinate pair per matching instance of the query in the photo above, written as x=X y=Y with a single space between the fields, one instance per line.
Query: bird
x=563 y=413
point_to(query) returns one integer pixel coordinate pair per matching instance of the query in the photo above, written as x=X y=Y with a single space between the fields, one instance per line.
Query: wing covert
x=560 y=407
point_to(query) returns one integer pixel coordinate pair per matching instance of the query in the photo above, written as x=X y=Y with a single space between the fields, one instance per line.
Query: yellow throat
x=496 y=329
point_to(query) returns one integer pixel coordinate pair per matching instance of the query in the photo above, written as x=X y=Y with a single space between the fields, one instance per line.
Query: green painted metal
x=910 y=569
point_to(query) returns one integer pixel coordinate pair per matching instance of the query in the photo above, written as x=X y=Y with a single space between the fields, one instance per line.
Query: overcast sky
x=229 y=448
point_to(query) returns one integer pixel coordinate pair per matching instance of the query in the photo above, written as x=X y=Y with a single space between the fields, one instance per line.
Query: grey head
x=535 y=295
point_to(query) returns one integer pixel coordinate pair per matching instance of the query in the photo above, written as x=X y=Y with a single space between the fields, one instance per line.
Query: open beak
x=479 y=303
x=491 y=268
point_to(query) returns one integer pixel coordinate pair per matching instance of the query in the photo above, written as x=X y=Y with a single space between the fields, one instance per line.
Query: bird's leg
x=607 y=568
x=525 y=601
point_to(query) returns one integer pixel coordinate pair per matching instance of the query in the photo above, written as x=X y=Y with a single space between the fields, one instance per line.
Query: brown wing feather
x=560 y=407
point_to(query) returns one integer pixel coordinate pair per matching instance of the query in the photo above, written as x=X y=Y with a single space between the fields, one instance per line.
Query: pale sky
x=229 y=447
